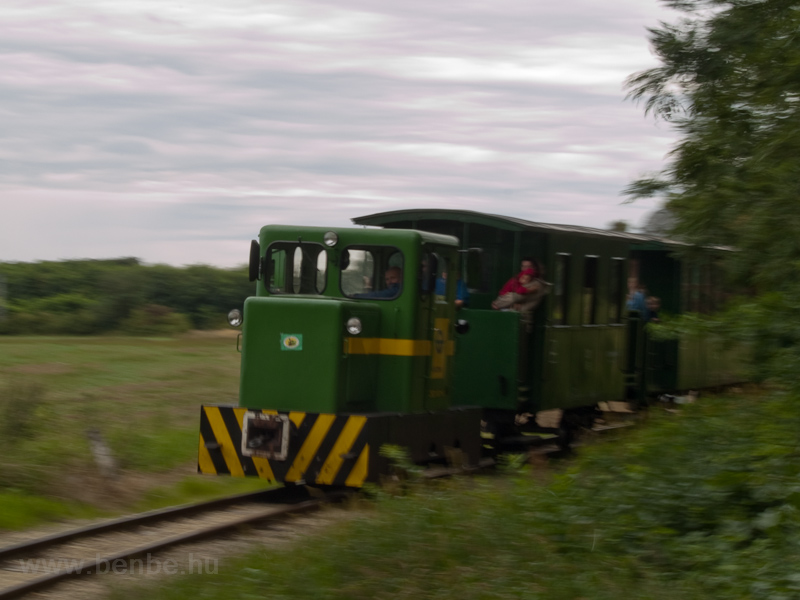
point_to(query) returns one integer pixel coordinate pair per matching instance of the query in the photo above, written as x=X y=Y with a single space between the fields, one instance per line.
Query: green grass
x=142 y=394
x=196 y=488
x=701 y=504
x=20 y=511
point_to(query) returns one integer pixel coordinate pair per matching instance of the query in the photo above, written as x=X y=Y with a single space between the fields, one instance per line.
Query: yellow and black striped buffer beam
x=323 y=449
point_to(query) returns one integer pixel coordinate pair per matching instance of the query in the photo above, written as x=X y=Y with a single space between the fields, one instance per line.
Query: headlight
x=330 y=238
x=235 y=318
x=353 y=325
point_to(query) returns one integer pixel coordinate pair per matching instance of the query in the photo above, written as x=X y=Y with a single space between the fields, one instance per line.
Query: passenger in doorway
x=653 y=305
x=636 y=297
x=515 y=289
x=394 y=285
x=529 y=293
x=512 y=285
x=462 y=293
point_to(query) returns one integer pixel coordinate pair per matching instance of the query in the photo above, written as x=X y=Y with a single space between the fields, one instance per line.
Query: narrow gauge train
x=353 y=340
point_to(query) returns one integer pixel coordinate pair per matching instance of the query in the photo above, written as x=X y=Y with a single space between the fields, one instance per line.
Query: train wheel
x=566 y=435
x=493 y=432
x=572 y=420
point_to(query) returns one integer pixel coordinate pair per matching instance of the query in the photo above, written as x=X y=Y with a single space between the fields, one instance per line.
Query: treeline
x=120 y=295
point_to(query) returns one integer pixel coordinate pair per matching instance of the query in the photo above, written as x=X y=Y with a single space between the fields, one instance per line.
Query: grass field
x=703 y=503
x=141 y=394
x=699 y=504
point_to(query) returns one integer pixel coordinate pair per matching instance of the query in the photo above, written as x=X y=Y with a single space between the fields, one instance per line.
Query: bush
x=153 y=319
x=88 y=296
x=207 y=317
x=710 y=494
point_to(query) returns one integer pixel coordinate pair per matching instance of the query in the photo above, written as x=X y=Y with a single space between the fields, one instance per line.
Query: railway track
x=121 y=545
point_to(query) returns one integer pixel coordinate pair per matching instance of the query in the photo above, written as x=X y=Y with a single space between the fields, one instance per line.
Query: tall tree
x=729 y=81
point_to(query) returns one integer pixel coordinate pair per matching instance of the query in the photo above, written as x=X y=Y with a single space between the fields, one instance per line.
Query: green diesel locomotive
x=354 y=340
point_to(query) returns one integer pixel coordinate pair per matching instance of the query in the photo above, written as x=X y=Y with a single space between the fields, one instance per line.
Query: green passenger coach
x=355 y=339
x=574 y=353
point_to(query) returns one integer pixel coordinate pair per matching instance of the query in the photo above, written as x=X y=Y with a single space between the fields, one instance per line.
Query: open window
x=372 y=272
x=616 y=296
x=296 y=268
x=561 y=276
x=432 y=278
x=590 y=290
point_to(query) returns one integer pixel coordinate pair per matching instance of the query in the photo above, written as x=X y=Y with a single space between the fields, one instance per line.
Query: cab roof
x=367 y=235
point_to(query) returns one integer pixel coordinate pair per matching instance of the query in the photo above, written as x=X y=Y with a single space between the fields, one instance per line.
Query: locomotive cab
x=347 y=345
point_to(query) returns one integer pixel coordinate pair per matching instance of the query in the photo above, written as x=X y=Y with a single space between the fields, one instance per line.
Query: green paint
x=294 y=346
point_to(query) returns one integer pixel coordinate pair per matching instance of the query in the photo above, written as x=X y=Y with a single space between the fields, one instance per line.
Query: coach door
x=437 y=294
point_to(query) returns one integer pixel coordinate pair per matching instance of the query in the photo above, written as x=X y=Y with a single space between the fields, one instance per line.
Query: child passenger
x=523 y=284
x=527 y=293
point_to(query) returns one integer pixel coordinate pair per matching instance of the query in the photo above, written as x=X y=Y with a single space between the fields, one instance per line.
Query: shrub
x=153 y=319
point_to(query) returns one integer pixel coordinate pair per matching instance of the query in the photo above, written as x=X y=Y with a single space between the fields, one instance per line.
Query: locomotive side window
x=358 y=271
x=431 y=268
x=371 y=272
x=561 y=289
x=296 y=268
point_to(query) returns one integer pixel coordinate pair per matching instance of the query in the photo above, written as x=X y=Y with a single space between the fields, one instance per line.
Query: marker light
x=235 y=318
x=330 y=239
x=354 y=326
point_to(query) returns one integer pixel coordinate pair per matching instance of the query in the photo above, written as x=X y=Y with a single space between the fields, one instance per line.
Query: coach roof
x=500 y=222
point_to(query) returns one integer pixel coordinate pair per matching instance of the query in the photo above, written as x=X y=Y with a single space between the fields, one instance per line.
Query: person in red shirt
x=513 y=285
x=515 y=288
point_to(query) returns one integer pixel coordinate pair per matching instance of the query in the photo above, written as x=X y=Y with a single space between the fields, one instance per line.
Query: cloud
x=171 y=130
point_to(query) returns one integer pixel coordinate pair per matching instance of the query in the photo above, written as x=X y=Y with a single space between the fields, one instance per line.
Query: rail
x=268 y=505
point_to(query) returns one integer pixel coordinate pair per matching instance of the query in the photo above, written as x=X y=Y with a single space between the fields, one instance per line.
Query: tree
x=660 y=222
x=730 y=83
x=620 y=226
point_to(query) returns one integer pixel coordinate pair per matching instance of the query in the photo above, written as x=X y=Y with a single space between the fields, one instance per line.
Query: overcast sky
x=173 y=130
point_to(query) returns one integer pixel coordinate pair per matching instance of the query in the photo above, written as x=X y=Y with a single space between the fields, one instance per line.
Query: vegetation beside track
x=142 y=395
x=696 y=504
x=84 y=297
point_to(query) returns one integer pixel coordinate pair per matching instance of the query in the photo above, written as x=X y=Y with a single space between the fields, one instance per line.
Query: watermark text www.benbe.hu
x=147 y=565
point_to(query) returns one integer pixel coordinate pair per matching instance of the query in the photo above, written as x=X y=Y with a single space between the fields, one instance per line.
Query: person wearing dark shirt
x=394 y=285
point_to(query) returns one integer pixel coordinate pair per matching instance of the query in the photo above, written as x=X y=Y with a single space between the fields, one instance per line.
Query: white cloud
x=169 y=130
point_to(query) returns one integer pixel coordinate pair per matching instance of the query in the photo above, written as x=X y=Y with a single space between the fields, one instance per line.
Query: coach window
x=561 y=276
x=590 y=290
x=372 y=272
x=616 y=298
x=691 y=292
x=706 y=291
x=718 y=289
x=296 y=268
